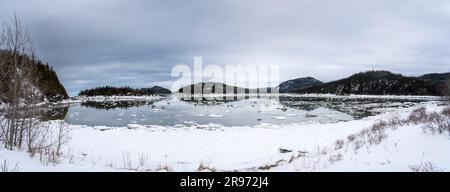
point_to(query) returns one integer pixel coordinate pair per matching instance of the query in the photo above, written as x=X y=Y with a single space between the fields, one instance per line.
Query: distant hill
x=374 y=83
x=293 y=85
x=441 y=81
x=46 y=79
x=289 y=86
x=364 y=83
x=159 y=90
x=212 y=87
x=435 y=78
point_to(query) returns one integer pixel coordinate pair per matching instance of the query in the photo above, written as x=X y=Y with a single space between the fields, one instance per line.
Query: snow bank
x=404 y=147
x=241 y=148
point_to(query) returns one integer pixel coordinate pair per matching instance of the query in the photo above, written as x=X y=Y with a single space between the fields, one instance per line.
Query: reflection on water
x=354 y=106
x=109 y=105
x=172 y=111
x=45 y=113
x=54 y=113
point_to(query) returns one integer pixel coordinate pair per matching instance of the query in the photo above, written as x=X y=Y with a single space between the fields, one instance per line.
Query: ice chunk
x=216 y=115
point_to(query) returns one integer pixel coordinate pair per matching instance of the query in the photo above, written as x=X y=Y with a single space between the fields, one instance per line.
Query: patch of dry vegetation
x=434 y=122
x=425 y=167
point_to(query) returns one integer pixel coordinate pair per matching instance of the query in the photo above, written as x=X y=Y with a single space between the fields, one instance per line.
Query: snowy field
x=263 y=147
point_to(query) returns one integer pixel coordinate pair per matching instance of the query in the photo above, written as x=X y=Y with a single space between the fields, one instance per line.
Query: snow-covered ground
x=243 y=148
x=405 y=147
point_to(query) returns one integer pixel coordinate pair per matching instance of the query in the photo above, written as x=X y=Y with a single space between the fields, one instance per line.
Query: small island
x=123 y=91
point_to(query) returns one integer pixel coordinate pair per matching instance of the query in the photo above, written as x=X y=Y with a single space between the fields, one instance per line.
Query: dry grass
x=438 y=123
x=374 y=135
x=339 y=144
x=351 y=137
x=335 y=158
x=205 y=168
x=163 y=168
x=446 y=111
x=419 y=115
x=5 y=167
x=425 y=167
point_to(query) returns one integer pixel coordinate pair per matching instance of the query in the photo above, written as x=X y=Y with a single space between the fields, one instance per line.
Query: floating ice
x=215 y=115
x=133 y=126
x=179 y=125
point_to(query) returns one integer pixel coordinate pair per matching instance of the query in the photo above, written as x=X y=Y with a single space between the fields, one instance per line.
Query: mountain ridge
x=374 y=82
x=292 y=85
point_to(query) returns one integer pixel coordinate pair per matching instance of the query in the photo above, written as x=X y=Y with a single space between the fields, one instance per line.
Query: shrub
x=419 y=115
x=438 y=122
x=205 y=168
x=339 y=144
x=351 y=137
x=376 y=137
x=395 y=121
x=446 y=111
x=379 y=125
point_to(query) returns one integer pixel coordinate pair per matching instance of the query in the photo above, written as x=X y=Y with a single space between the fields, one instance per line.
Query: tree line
x=376 y=83
x=116 y=91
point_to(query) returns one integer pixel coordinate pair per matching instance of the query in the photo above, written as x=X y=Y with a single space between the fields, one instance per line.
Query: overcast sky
x=136 y=43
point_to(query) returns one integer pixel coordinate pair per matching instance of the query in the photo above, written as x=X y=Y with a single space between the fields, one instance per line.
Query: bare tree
x=18 y=69
x=22 y=124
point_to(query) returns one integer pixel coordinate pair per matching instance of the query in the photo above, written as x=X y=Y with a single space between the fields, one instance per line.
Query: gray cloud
x=136 y=43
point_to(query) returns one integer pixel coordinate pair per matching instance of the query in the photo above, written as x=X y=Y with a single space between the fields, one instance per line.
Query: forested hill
x=374 y=83
x=41 y=76
x=293 y=85
x=49 y=83
x=435 y=78
x=212 y=87
x=123 y=91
